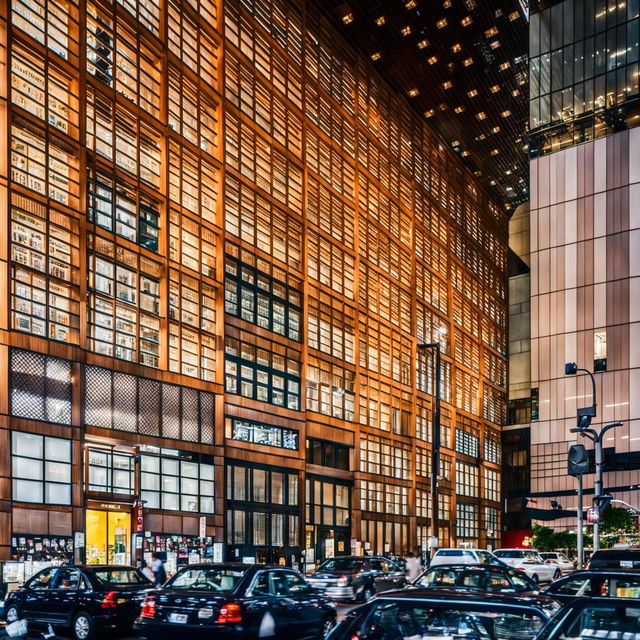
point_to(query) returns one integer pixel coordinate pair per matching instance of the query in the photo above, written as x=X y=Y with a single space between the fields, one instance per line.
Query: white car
x=529 y=561
x=566 y=566
x=462 y=556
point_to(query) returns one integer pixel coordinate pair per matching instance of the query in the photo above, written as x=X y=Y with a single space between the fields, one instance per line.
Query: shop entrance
x=108 y=537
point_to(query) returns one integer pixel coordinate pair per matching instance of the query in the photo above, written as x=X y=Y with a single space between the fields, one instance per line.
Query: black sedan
x=235 y=601
x=84 y=599
x=357 y=577
x=608 y=584
x=591 y=618
x=476 y=577
x=446 y=614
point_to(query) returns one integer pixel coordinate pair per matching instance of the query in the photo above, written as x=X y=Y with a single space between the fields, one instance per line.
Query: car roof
x=460 y=550
x=604 y=572
x=451 y=596
x=102 y=567
x=583 y=603
x=233 y=565
x=470 y=565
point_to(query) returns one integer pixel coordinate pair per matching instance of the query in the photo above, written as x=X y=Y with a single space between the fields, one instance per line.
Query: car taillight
x=343 y=581
x=229 y=612
x=149 y=607
x=520 y=569
x=109 y=600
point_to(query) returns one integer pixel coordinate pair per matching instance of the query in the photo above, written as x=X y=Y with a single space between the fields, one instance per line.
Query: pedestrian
x=157 y=566
x=413 y=567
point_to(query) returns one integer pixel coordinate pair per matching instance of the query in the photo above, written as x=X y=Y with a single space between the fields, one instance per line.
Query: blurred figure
x=414 y=566
x=159 y=573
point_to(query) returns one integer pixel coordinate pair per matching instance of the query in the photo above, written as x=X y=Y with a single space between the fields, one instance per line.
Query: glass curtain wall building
x=225 y=237
x=585 y=175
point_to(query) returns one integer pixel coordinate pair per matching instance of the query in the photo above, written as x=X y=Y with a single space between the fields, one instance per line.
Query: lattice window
x=331 y=326
x=385 y=457
x=330 y=265
x=40 y=387
x=330 y=389
x=124 y=402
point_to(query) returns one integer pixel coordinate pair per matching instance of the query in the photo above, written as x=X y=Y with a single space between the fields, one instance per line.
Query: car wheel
x=328 y=623
x=82 y=626
x=367 y=594
x=12 y=613
x=557 y=574
x=534 y=577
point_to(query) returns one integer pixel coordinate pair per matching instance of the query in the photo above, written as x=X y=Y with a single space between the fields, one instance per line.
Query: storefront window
x=176 y=484
x=259 y=433
x=41 y=469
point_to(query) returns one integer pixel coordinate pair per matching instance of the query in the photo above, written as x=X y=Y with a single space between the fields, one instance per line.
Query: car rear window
x=120 y=577
x=207 y=579
x=341 y=564
x=601 y=621
x=455 y=552
x=615 y=560
x=401 y=619
x=530 y=556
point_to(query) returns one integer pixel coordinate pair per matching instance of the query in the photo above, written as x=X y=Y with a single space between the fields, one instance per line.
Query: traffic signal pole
x=580 y=534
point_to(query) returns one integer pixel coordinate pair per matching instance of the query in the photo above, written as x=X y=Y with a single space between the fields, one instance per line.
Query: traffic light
x=578 y=460
x=602 y=503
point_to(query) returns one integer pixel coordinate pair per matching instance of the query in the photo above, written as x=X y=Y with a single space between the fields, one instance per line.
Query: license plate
x=179 y=618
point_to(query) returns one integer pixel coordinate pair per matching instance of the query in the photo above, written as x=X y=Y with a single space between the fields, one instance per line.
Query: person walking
x=159 y=573
x=414 y=567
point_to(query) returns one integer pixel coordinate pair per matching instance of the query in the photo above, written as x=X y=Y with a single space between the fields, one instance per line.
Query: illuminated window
x=44 y=250
x=405 y=31
x=481 y=115
x=146 y=12
x=331 y=326
x=192 y=244
x=423 y=43
x=330 y=390
x=467 y=62
x=380 y=20
x=466 y=21
x=491 y=484
x=456 y=48
x=260 y=433
x=489 y=33
x=473 y=93
x=441 y=23
x=376 y=56
x=379 y=497
x=600 y=351
x=432 y=59
x=495 y=88
x=467 y=480
x=383 y=457
x=467 y=524
x=124 y=304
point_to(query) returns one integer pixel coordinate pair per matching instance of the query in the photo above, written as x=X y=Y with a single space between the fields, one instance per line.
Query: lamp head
x=570 y=369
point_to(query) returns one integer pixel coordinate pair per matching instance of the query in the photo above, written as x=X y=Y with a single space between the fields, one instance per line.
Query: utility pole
x=435 y=446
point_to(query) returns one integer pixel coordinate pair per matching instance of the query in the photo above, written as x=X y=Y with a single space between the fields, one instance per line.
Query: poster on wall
x=28 y=548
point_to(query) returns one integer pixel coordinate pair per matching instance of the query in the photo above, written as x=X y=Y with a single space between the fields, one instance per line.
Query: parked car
x=551 y=557
x=615 y=559
x=529 y=561
x=589 y=618
x=463 y=556
x=357 y=577
x=610 y=584
x=235 y=601
x=434 y=614
x=84 y=599
x=476 y=577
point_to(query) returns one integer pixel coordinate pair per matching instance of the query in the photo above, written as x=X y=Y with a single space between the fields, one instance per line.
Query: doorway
x=108 y=537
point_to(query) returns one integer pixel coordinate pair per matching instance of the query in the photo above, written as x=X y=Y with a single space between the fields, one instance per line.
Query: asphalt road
x=343 y=609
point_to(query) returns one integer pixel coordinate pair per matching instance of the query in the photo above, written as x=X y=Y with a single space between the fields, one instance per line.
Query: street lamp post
x=435 y=448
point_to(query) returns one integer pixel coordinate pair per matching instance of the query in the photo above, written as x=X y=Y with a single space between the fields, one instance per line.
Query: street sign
x=593 y=515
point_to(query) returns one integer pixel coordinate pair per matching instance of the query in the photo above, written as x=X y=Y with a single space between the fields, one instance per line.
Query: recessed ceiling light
x=413 y=93
x=423 y=43
x=481 y=115
x=432 y=60
x=473 y=93
x=467 y=62
x=405 y=31
x=442 y=23
x=380 y=20
x=376 y=56
x=347 y=18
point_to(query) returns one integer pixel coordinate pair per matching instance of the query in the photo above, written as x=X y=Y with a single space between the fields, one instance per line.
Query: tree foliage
x=619 y=520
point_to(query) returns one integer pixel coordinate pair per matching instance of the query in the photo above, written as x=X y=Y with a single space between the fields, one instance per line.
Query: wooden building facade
x=224 y=238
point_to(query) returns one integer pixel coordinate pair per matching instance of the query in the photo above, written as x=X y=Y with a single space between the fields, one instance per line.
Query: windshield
x=529 y=556
x=424 y=620
x=459 y=577
x=120 y=576
x=341 y=564
x=549 y=556
x=206 y=579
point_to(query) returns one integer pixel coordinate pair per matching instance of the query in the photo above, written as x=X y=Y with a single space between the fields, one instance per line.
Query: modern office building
x=225 y=237
x=585 y=196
